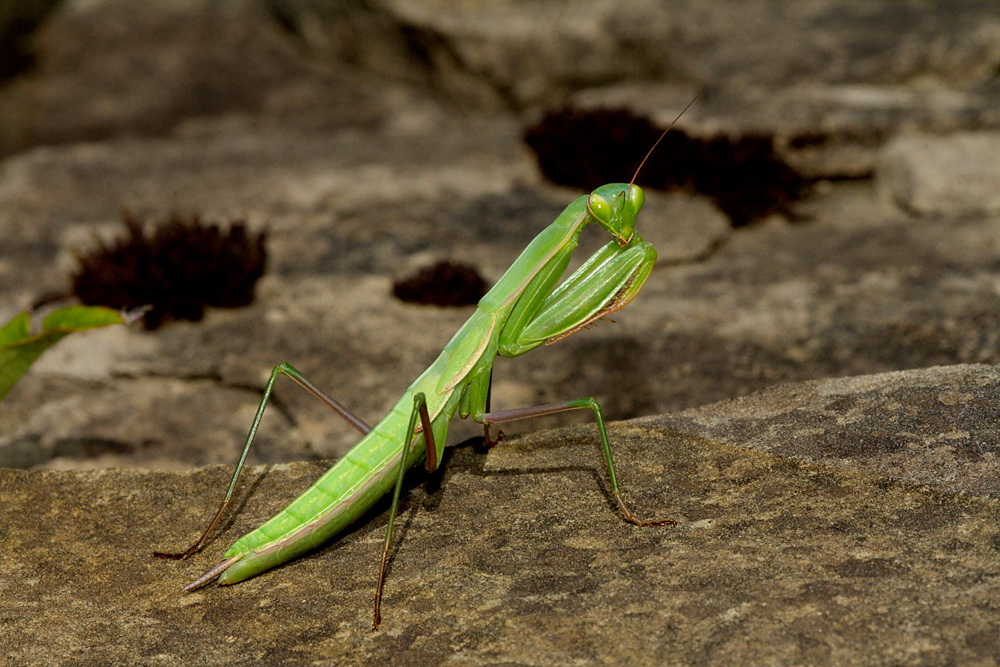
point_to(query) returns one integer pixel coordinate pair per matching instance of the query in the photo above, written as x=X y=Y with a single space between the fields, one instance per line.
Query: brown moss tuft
x=588 y=148
x=178 y=268
x=443 y=284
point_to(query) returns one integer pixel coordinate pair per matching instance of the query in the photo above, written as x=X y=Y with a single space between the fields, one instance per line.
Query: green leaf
x=15 y=330
x=19 y=347
x=78 y=318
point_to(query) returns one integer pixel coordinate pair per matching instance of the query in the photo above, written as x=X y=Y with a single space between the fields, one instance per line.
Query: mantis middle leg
x=587 y=403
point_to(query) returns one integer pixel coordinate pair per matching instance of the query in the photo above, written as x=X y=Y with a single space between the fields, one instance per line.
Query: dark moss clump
x=18 y=21
x=178 y=268
x=586 y=149
x=443 y=284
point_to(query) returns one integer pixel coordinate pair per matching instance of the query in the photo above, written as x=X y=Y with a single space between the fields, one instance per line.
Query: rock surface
x=953 y=175
x=800 y=540
x=832 y=521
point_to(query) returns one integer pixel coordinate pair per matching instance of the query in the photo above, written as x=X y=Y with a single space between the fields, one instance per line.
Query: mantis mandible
x=523 y=310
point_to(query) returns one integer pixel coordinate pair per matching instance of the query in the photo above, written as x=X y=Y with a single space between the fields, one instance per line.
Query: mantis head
x=615 y=207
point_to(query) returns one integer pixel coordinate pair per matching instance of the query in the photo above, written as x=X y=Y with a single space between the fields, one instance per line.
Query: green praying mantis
x=523 y=310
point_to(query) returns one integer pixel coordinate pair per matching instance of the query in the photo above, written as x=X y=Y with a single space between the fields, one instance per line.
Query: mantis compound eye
x=599 y=207
x=637 y=197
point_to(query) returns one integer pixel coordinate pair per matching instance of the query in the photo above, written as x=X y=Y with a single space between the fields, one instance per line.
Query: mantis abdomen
x=342 y=494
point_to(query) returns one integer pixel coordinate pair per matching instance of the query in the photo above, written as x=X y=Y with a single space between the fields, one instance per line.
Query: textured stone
x=519 y=556
x=952 y=175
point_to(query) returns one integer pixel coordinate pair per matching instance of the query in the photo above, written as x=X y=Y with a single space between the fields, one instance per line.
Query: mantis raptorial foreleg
x=290 y=371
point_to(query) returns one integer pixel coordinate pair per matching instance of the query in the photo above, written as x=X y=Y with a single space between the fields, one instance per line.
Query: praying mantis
x=524 y=310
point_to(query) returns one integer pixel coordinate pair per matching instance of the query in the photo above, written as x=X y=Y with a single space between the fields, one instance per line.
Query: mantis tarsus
x=522 y=311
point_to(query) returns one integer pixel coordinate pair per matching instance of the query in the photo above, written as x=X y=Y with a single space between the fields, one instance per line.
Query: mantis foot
x=169 y=556
x=489 y=441
x=631 y=518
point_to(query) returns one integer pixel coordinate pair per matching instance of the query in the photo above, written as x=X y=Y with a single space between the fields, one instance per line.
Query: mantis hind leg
x=290 y=371
x=588 y=403
x=419 y=408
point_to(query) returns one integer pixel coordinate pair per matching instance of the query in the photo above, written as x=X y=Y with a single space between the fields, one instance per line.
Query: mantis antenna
x=669 y=127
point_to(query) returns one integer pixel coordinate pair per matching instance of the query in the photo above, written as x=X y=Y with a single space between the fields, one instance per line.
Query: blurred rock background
x=373 y=139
